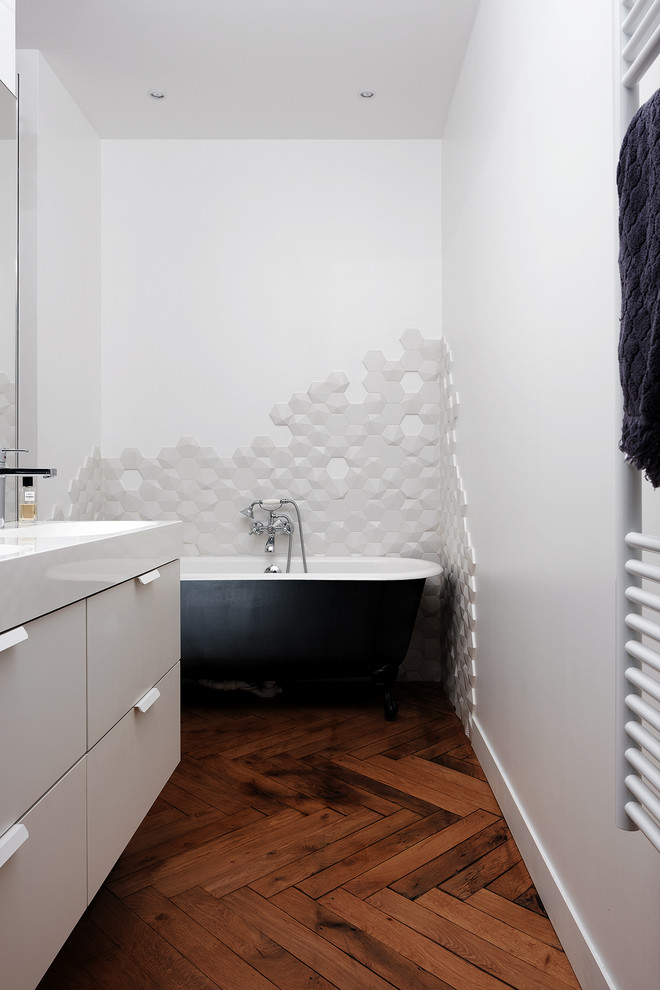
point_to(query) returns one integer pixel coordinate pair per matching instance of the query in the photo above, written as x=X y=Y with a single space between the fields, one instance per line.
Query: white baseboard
x=581 y=954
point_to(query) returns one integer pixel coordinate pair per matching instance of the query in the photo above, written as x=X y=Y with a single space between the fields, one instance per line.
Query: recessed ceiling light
x=366 y=94
x=157 y=95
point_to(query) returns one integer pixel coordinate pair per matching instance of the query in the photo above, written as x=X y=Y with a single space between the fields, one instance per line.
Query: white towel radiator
x=638 y=583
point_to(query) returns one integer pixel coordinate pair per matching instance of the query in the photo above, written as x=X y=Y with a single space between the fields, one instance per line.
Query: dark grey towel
x=638 y=182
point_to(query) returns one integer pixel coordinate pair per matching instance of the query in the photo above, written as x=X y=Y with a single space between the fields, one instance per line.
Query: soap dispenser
x=27 y=503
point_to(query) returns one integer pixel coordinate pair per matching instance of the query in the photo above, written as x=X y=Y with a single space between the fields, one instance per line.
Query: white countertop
x=48 y=565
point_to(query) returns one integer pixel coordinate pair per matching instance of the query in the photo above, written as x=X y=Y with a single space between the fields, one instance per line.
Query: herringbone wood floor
x=306 y=842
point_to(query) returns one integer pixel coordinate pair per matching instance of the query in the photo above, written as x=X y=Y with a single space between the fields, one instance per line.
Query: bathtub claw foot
x=384 y=679
x=391 y=707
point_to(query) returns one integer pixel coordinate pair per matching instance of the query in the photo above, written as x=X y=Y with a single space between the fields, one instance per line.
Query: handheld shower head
x=270 y=504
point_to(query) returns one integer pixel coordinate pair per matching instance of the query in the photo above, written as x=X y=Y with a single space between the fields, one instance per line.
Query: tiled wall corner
x=86 y=492
x=377 y=476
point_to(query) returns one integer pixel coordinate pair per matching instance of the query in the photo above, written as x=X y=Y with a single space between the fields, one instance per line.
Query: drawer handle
x=12 y=840
x=144 y=704
x=11 y=638
x=149 y=577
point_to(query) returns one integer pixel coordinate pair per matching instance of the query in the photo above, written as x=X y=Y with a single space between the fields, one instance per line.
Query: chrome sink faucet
x=6 y=472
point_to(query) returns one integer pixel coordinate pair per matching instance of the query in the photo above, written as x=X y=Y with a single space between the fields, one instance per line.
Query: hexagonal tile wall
x=374 y=477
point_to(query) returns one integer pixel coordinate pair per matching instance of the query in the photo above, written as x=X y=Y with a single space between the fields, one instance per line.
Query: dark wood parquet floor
x=305 y=842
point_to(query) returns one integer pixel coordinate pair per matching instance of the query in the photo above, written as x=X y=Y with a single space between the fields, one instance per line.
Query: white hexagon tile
x=374 y=477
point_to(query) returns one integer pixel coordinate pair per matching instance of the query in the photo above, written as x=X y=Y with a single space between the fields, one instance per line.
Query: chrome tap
x=278 y=524
x=6 y=472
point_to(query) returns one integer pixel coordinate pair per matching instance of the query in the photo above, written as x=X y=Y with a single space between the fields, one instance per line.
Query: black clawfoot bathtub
x=348 y=617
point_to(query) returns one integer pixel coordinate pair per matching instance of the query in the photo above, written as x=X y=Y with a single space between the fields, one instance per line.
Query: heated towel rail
x=638 y=584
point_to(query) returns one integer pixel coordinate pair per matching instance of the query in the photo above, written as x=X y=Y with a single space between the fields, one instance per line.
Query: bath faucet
x=278 y=524
x=6 y=472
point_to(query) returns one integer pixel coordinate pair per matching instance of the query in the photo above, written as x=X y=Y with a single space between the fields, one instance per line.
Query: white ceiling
x=254 y=68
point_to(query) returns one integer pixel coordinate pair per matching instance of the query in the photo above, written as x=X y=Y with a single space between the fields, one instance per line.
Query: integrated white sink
x=67 y=528
x=46 y=566
x=12 y=551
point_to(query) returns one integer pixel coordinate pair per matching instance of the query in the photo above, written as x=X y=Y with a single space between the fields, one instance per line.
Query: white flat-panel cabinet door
x=42 y=707
x=133 y=638
x=43 y=882
x=127 y=769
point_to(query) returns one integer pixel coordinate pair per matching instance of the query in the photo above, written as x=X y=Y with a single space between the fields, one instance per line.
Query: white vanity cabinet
x=43 y=884
x=43 y=829
x=126 y=771
x=42 y=707
x=133 y=639
x=89 y=735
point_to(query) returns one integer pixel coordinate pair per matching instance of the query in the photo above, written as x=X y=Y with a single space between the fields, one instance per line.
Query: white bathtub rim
x=249 y=568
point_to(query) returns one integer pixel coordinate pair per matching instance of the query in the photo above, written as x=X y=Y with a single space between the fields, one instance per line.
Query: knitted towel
x=638 y=182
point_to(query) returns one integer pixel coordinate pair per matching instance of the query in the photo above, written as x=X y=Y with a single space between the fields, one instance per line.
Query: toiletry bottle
x=27 y=503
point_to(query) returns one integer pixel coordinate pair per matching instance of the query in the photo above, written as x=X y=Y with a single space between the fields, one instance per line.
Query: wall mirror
x=8 y=272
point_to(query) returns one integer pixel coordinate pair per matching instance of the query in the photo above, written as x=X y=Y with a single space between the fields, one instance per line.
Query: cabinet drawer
x=43 y=885
x=42 y=707
x=126 y=771
x=133 y=638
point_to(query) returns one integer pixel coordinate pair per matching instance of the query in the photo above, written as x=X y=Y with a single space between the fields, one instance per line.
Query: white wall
x=60 y=280
x=9 y=186
x=8 y=44
x=529 y=289
x=236 y=273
